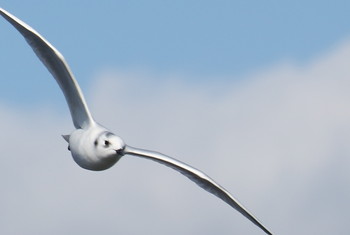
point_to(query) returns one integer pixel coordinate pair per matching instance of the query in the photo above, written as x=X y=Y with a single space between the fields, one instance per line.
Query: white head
x=108 y=144
x=95 y=149
x=108 y=149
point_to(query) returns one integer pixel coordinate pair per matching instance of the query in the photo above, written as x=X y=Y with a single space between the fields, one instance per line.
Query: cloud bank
x=277 y=140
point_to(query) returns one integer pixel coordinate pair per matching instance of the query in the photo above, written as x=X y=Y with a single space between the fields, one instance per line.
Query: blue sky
x=254 y=93
x=208 y=41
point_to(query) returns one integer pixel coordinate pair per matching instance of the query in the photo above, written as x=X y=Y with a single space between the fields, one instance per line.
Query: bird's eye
x=107 y=143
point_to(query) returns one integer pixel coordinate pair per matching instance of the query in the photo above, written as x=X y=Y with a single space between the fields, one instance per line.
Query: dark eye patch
x=109 y=134
x=96 y=143
x=107 y=143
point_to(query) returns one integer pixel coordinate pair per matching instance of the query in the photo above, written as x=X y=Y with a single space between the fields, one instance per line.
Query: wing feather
x=58 y=67
x=201 y=179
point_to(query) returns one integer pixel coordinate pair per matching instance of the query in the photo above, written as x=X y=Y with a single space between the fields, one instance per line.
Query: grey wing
x=56 y=64
x=201 y=179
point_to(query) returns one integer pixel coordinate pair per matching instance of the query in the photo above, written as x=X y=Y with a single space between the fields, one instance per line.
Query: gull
x=94 y=147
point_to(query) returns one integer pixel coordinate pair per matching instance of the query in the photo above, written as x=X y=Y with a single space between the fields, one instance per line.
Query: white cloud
x=278 y=141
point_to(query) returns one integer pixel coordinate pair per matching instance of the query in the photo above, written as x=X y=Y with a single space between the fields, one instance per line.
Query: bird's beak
x=121 y=151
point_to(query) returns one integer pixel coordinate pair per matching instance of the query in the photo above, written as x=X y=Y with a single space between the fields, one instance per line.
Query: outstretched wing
x=201 y=179
x=56 y=64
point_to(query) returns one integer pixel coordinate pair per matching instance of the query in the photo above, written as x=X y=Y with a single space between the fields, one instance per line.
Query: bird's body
x=94 y=147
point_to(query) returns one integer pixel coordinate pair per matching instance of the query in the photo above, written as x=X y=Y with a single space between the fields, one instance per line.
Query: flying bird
x=94 y=147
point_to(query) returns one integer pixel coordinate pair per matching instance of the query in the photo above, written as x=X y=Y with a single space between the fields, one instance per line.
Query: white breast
x=84 y=151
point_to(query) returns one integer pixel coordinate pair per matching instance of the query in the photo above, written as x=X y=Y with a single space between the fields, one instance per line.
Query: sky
x=254 y=93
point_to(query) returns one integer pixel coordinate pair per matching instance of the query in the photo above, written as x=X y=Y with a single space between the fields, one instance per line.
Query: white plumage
x=92 y=146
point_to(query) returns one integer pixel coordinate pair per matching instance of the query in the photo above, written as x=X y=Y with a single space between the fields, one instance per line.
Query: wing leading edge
x=201 y=179
x=56 y=64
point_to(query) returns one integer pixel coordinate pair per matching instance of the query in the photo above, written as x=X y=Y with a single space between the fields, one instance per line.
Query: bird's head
x=95 y=149
x=109 y=145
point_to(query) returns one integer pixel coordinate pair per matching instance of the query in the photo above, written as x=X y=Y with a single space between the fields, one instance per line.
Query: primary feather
x=92 y=146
